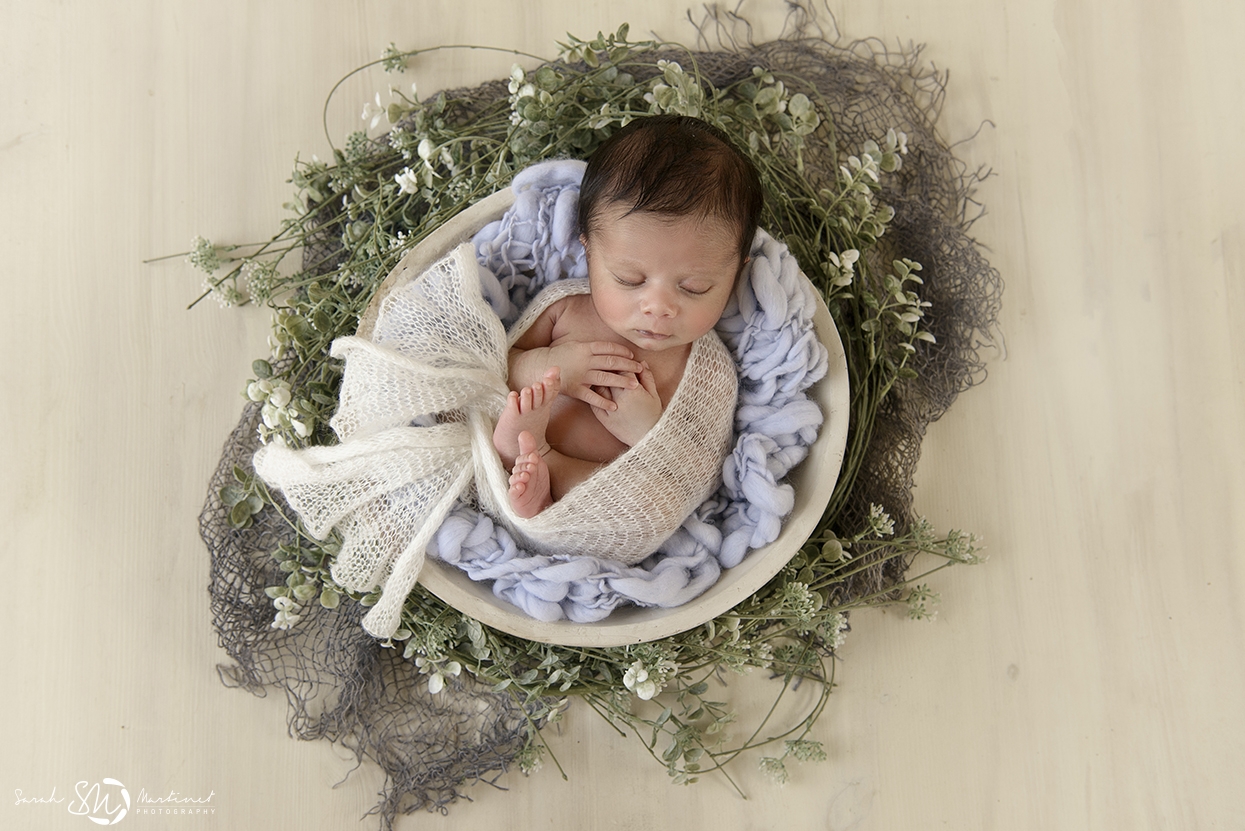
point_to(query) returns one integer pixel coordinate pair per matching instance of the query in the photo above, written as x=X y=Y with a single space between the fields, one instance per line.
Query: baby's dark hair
x=675 y=165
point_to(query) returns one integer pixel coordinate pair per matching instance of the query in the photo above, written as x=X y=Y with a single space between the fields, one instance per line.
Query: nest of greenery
x=876 y=210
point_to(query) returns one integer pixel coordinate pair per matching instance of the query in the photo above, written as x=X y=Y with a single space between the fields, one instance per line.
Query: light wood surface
x=1091 y=675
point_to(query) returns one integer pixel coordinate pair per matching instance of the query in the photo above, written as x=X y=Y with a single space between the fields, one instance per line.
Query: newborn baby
x=667 y=212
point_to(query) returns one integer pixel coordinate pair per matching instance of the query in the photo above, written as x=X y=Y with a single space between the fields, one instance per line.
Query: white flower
x=880 y=522
x=845 y=263
x=836 y=630
x=300 y=427
x=373 y=111
x=517 y=77
x=407 y=181
x=285 y=620
x=287 y=613
x=636 y=679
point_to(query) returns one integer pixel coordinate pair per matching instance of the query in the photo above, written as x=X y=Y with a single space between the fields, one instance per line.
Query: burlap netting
x=417 y=409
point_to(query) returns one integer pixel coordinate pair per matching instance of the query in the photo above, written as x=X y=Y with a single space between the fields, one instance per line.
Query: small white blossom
x=647 y=682
x=880 y=522
x=407 y=181
x=845 y=264
x=517 y=77
x=287 y=613
x=637 y=680
x=373 y=113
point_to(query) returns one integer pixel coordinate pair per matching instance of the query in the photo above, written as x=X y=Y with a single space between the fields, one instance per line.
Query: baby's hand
x=592 y=369
x=637 y=409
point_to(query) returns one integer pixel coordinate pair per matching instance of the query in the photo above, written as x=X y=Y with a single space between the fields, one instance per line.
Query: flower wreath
x=873 y=206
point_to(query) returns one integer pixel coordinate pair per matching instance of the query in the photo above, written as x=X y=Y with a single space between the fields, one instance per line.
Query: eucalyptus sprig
x=352 y=218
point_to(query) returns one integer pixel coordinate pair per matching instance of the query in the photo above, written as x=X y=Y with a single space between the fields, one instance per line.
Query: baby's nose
x=658 y=303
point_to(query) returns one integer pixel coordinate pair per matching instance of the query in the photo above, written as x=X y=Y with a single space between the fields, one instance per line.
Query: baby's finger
x=608 y=347
x=649 y=381
x=600 y=378
x=615 y=363
x=596 y=400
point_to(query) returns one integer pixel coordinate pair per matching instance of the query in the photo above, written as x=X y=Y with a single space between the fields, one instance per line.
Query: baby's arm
x=636 y=410
x=584 y=364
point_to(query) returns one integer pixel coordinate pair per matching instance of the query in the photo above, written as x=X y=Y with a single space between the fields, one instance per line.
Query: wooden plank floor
x=1090 y=676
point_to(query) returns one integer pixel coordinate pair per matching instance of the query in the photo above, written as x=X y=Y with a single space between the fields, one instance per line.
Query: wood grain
x=1091 y=675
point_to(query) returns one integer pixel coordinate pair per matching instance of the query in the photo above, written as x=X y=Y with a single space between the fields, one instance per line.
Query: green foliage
x=354 y=217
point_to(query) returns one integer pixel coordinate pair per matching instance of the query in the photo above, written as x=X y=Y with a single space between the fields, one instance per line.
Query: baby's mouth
x=651 y=335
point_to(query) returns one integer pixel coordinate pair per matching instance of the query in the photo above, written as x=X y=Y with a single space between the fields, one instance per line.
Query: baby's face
x=661 y=281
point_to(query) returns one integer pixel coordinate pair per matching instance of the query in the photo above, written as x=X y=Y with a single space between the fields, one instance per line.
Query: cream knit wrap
x=418 y=405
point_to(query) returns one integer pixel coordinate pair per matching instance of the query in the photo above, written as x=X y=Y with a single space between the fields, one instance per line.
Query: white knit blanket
x=417 y=409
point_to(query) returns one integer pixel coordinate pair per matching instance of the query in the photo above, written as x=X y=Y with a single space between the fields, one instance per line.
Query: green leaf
x=240 y=516
x=261 y=368
x=322 y=320
x=232 y=494
x=330 y=599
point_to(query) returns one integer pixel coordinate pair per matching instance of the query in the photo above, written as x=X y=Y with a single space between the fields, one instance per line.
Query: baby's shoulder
x=551 y=304
x=573 y=310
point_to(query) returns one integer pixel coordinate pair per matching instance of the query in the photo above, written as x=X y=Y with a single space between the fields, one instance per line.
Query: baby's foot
x=529 y=483
x=528 y=409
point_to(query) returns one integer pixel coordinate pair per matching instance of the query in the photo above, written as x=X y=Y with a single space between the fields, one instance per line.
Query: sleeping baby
x=668 y=208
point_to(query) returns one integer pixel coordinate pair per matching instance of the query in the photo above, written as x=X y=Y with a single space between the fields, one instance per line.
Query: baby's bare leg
x=526 y=410
x=565 y=472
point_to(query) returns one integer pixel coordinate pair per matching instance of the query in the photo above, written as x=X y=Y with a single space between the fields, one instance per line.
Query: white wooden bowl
x=813 y=480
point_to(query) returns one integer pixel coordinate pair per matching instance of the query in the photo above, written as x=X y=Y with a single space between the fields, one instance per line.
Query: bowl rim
x=813 y=481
